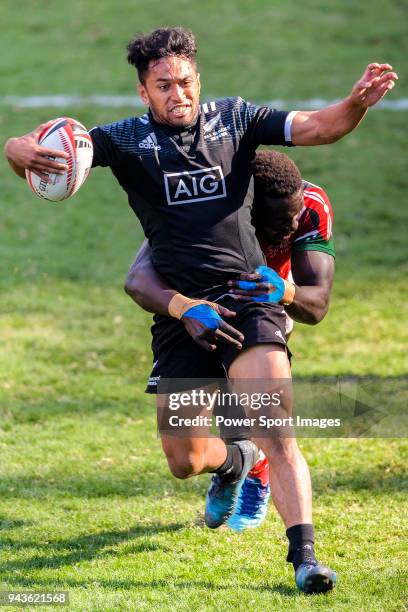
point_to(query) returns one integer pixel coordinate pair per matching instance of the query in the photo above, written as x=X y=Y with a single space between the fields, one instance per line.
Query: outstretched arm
x=335 y=121
x=201 y=318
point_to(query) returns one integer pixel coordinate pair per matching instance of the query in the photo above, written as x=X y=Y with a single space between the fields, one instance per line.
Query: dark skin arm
x=150 y=291
x=313 y=273
x=145 y=286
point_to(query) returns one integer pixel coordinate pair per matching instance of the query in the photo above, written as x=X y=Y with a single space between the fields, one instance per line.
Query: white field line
x=106 y=101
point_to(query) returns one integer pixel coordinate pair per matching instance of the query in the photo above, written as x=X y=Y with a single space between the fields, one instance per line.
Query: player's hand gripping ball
x=64 y=134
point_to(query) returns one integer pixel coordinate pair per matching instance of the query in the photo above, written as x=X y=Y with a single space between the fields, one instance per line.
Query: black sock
x=231 y=469
x=301 y=544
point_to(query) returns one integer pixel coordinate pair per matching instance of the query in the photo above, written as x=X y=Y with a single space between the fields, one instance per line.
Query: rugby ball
x=64 y=134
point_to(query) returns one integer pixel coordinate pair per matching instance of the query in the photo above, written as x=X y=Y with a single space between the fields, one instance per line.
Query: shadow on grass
x=119 y=585
x=149 y=484
x=367 y=403
x=6 y=523
x=152 y=485
x=373 y=480
x=87 y=547
x=22 y=411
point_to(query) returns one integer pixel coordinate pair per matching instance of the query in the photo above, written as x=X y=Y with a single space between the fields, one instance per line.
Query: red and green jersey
x=314 y=232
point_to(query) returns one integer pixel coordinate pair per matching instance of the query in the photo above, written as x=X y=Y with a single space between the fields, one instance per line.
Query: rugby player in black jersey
x=185 y=169
x=294 y=224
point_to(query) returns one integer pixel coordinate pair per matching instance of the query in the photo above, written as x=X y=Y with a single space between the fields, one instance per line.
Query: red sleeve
x=316 y=219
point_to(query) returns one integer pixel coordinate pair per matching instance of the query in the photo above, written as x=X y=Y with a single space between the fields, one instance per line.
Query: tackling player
x=293 y=220
x=185 y=169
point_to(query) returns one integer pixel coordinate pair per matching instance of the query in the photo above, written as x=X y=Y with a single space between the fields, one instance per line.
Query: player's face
x=279 y=218
x=172 y=91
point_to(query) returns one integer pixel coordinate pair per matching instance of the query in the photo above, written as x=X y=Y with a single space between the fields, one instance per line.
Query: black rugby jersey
x=191 y=188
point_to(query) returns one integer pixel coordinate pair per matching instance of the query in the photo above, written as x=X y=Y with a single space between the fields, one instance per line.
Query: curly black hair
x=275 y=175
x=163 y=42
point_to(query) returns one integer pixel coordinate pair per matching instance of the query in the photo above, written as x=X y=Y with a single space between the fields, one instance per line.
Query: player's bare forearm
x=310 y=304
x=150 y=291
x=307 y=301
x=335 y=121
x=326 y=125
x=145 y=286
x=313 y=273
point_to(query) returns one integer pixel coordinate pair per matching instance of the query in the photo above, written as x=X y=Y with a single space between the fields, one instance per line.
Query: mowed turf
x=263 y=50
x=86 y=500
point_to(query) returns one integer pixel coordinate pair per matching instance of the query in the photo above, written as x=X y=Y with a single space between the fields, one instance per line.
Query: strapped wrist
x=179 y=304
x=289 y=295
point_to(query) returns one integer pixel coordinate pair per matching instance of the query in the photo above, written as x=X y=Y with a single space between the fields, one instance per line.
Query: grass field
x=86 y=500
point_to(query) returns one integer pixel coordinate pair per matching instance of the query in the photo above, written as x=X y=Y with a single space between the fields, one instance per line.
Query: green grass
x=262 y=50
x=86 y=500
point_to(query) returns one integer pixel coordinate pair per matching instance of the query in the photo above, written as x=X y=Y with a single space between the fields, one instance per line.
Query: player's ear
x=143 y=94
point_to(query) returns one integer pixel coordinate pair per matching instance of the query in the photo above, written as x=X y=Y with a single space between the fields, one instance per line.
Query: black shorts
x=176 y=355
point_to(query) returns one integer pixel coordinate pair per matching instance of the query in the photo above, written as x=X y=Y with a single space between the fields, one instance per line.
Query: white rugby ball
x=64 y=134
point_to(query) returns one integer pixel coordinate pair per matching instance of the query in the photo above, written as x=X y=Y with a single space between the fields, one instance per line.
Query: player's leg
x=289 y=474
x=189 y=449
x=260 y=323
x=192 y=456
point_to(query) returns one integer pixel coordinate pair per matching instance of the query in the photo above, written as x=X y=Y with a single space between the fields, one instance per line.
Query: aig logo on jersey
x=195 y=186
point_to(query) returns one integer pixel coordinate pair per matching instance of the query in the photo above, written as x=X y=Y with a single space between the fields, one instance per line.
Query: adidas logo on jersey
x=150 y=142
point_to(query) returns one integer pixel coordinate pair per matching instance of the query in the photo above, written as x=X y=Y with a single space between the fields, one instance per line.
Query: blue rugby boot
x=222 y=497
x=253 y=499
x=311 y=577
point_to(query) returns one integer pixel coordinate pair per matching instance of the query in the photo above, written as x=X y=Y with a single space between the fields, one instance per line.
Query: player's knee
x=186 y=465
x=281 y=450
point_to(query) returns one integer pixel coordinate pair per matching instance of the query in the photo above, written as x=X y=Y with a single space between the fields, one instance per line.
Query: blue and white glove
x=203 y=321
x=283 y=291
x=205 y=314
x=268 y=276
